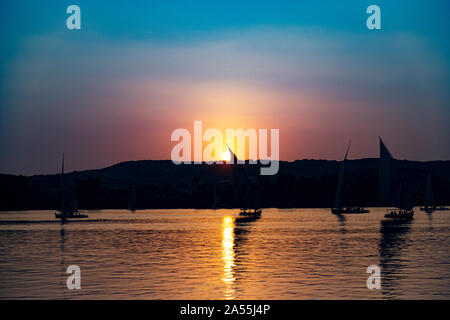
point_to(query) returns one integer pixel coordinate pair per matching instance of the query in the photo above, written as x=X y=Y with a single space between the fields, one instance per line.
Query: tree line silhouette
x=161 y=184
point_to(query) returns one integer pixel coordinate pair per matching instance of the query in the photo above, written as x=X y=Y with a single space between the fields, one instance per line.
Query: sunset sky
x=116 y=89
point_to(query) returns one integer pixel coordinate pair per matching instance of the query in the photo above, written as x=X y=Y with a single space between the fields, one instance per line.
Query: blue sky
x=114 y=90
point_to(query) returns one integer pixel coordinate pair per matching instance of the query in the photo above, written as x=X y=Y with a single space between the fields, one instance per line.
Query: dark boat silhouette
x=429 y=205
x=69 y=206
x=245 y=193
x=392 y=190
x=337 y=207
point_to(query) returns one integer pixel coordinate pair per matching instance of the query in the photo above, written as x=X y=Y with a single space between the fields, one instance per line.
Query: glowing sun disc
x=226 y=156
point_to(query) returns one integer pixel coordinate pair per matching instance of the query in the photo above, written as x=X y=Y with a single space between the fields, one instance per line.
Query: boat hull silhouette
x=250 y=213
x=75 y=215
x=399 y=214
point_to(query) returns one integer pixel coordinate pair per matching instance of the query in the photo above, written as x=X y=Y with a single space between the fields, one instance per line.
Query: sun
x=226 y=156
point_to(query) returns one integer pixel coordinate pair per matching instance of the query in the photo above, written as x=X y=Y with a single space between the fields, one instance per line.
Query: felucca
x=68 y=208
x=338 y=208
x=392 y=190
x=245 y=193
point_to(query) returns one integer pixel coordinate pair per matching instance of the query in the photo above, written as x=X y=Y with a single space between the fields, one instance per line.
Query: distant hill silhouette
x=161 y=184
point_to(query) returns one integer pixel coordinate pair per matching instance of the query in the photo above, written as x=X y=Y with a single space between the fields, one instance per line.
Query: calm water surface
x=211 y=254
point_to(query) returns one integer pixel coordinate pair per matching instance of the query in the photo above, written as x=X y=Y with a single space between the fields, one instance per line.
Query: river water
x=212 y=254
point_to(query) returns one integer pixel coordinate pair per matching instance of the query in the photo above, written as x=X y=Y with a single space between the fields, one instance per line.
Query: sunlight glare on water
x=214 y=254
x=228 y=256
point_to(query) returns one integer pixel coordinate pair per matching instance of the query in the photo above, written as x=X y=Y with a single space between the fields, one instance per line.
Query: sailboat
x=392 y=190
x=132 y=204
x=338 y=208
x=246 y=195
x=429 y=205
x=68 y=208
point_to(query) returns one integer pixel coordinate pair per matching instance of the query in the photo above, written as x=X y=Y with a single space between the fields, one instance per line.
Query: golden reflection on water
x=323 y=256
x=228 y=256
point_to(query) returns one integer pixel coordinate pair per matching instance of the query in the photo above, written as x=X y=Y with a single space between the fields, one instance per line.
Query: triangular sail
x=338 y=198
x=385 y=174
x=392 y=189
x=246 y=195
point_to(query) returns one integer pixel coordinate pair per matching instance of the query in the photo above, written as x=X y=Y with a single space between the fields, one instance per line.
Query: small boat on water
x=69 y=206
x=246 y=195
x=399 y=214
x=132 y=204
x=392 y=189
x=429 y=205
x=438 y=208
x=250 y=212
x=338 y=208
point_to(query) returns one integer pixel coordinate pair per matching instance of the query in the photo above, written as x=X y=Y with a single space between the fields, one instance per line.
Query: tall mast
x=246 y=195
x=62 y=185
